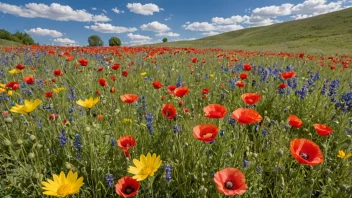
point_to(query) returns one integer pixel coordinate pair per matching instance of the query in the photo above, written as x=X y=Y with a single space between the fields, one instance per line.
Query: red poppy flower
x=288 y=75
x=102 y=82
x=282 y=86
x=205 y=91
x=48 y=94
x=124 y=73
x=230 y=182
x=127 y=187
x=83 y=62
x=126 y=143
x=169 y=111
x=181 y=91
x=97 y=92
x=20 y=67
x=251 y=98
x=157 y=85
x=185 y=110
x=29 y=79
x=69 y=58
x=129 y=98
x=100 y=117
x=247 y=67
x=53 y=80
x=115 y=66
x=243 y=76
x=58 y=72
x=240 y=84
x=194 y=60
x=204 y=96
x=205 y=132
x=323 y=130
x=171 y=87
x=215 y=111
x=113 y=78
x=100 y=69
x=294 y=121
x=246 y=116
x=306 y=152
x=13 y=85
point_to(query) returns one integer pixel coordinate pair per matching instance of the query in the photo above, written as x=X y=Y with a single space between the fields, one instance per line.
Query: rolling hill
x=4 y=42
x=328 y=33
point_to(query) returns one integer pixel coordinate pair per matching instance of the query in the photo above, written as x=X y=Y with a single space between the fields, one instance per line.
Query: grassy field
x=206 y=151
x=326 y=34
x=8 y=43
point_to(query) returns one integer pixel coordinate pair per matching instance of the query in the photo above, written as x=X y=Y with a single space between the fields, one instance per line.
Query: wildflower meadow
x=174 y=122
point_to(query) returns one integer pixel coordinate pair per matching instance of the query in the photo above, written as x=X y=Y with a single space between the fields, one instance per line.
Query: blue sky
x=62 y=22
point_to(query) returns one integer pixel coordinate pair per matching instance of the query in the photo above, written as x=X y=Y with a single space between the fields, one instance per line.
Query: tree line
x=18 y=37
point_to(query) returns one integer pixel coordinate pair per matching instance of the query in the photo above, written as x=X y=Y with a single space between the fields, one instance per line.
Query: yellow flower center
x=63 y=190
x=147 y=170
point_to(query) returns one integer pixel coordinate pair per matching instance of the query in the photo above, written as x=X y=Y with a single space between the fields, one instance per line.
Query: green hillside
x=329 y=33
x=4 y=42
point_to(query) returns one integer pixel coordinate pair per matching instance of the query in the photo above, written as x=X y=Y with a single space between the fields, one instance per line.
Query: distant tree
x=164 y=40
x=5 y=34
x=114 y=41
x=95 y=40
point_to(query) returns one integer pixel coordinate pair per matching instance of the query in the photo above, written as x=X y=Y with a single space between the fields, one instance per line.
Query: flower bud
x=31 y=155
x=19 y=141
x=32 y=137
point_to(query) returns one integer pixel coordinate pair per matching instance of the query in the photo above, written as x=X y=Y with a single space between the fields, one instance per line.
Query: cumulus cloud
x=211 y=33
x=44 y=32
x=273 y=11
x=155 y=27
x=168 y=34
x=146 y=9
x=231 y=20
x=117 y=11
x=53 y=11
x=137 y=39
x=94 y=8
x=208 y=27
x=108 y=28
x=64 y=41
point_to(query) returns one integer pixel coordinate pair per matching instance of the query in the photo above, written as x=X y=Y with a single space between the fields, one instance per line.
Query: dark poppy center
x=304 y=155
x=128 y=190
x=229 y=185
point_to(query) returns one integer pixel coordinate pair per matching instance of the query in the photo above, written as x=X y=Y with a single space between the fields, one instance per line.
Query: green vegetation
x=95 y=40
x=164 y=40
x=329 y=33
x=114 y=41
x=15 y=39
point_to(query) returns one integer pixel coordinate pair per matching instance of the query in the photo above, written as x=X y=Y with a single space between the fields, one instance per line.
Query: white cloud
x=301 y=16
x=138 y=37
x=146 y=9
x=104 y=11
x=167 y=19
x=231 y=20
x=273 y=11
x=117 y=11
x=169 y=34
x=94 y=8
x=197 y=26
x=155 y=27
x=55 y=12
x=108 y=28
x=208 y=27
x=212 y=33
x=64 y=41
x=44 y=32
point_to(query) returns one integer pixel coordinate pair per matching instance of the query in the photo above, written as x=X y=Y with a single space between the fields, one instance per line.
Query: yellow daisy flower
x=29 y=106
x=212 y=75
x=88 y=103
x=15 y=71
x=341 y=154
x=127 y=121
x=57 y=90
x=144 y=167
x=143 y=74
x=62 y=185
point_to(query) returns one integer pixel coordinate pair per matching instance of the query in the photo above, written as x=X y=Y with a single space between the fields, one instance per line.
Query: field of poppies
x=174 y=122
